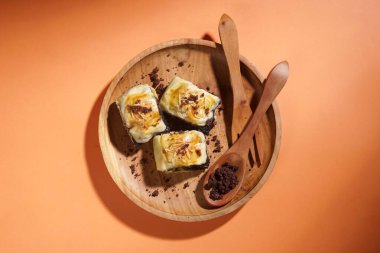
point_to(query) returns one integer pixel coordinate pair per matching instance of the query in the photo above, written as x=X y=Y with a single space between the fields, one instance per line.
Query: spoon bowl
x=237 y=154
x=234 y=159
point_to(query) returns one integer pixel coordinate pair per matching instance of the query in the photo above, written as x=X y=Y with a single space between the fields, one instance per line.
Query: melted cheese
x=185 y=100
x=140 y=113
x=176 y=150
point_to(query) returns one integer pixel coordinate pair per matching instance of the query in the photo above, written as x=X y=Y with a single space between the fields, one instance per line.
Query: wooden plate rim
x=103 y=131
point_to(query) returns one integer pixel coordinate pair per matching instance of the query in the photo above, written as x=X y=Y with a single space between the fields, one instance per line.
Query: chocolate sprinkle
x=139 y=108
x=182 y=149
x=193 y=98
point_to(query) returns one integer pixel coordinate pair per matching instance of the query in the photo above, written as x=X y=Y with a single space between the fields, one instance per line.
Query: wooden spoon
x=237 y=154
x=241 y=108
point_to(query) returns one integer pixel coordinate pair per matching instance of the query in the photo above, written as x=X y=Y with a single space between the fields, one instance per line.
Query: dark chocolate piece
x=222 y=181
x=191 y=167
x=177 y=124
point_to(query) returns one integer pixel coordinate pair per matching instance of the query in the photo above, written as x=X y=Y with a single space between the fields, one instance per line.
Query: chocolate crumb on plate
x=217 y=149
x=133 y=168
x=155 y=193
x=154 y=77
x=186 y=185
x=181 y=63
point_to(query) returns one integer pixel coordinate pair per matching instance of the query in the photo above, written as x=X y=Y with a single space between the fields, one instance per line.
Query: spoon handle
x=229 y=37
x=275 y=82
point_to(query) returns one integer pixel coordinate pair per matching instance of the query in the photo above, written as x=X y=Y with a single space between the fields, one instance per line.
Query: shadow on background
x=124 y=209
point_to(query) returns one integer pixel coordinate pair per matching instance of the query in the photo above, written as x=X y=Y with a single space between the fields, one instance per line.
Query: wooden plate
x=179 y=194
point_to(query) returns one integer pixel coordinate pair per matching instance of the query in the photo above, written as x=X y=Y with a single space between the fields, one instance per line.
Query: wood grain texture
x=241 y=108
x=204 y=65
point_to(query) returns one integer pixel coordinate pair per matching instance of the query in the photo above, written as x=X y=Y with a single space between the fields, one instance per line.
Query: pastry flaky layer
x=185 y=150
x=140 y=113
x=186 y=101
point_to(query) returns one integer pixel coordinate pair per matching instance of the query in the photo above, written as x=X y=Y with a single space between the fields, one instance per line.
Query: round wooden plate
x=178 y=196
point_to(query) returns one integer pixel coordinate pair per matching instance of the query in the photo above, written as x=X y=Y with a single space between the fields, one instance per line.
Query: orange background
x=56 y=59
